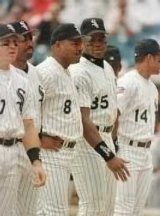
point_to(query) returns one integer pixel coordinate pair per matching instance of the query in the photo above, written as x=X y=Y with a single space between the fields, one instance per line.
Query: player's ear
x=150 y=57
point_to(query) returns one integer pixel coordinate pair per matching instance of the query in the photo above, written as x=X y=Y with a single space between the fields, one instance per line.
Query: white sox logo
x=11 y=28
x=22 y=23
x=76 y=29
x=106 y=150
x=20 y=94
x=41 y=92
x=94 y=23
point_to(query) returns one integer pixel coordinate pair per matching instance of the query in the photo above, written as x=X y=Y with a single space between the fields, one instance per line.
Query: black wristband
x=104 y=151
x=33 y=154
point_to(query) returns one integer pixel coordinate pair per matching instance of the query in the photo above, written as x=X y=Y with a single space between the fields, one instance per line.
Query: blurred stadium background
x=126 y=22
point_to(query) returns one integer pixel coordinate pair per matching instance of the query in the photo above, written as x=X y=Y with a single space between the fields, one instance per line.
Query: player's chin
x=156 y=72
x=76 y=58
x=29 y=55
x=98 y=54
x=12 y=57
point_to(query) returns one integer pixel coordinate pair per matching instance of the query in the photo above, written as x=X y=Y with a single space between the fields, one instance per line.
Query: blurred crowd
x=126 y=22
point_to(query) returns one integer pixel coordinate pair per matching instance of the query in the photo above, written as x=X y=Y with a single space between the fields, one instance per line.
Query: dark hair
x=113 y=57
x=145 y=47
x=112 y=54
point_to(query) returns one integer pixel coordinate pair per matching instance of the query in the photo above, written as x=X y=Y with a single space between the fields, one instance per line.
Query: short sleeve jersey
x=37 y=92
x=16 y=104
x=61 y=112
x=137 y=103
x=96 y=90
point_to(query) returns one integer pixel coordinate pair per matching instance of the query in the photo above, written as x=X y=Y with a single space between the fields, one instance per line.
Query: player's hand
x=50 y=143
x=118 y=167
x=39 y=174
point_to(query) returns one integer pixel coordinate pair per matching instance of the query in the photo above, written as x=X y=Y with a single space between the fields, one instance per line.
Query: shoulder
x=31 y=68
x=128 y=82
x=18 y=74
x=78 y=67
x=154 y=87
x=18 y=71
x=129 y=77
x=47 y=65
x=82 y=69
x=108 y=68
x=43 y=65
x=19 y=78
x=48 y=68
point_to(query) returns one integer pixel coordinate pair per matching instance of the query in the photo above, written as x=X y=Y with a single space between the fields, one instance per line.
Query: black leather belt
x=65 y=143
x=104 y=128
x=9 y=142
x=140 y=144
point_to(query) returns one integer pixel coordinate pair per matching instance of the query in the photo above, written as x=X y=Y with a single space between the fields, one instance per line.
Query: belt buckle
x=68 y=144
x=65 y=143
x=148 y=144
x=105 y=129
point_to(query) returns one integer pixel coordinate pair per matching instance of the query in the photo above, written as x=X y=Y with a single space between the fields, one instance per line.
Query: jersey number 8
x=67 y=106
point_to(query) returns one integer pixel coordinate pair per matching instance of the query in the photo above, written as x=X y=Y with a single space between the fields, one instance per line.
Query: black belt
x=140 y=144
x=104 y=128
x=65 y=143
x=9 y=142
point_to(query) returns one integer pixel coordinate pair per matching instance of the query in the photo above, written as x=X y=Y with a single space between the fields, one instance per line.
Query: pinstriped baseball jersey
x=37 y=91
x=137 y=102
x=26 y=203
x=137 y=119
x=15 y=104
x=61 y=113
x=97 y=90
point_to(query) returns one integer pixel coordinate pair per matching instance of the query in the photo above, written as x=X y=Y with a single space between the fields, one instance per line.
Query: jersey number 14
x=140 y=116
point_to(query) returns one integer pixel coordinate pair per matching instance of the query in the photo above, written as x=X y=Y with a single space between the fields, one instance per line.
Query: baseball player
x=61 y=120
x=27 y=193
x=95 y=82
x=16 y=114
x=137 y=104
x=113 y=57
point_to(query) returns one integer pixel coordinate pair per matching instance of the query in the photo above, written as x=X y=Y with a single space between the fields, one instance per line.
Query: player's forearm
x=115 y=128
x=30 y=139
x=91 y=133
x=93 y=137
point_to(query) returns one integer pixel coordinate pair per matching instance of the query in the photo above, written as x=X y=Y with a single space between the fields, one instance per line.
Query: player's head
x=147 y=52
x=25 y=47
x=113 y=57
x=66 y=44
x=8 y=43
x=94 y=37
